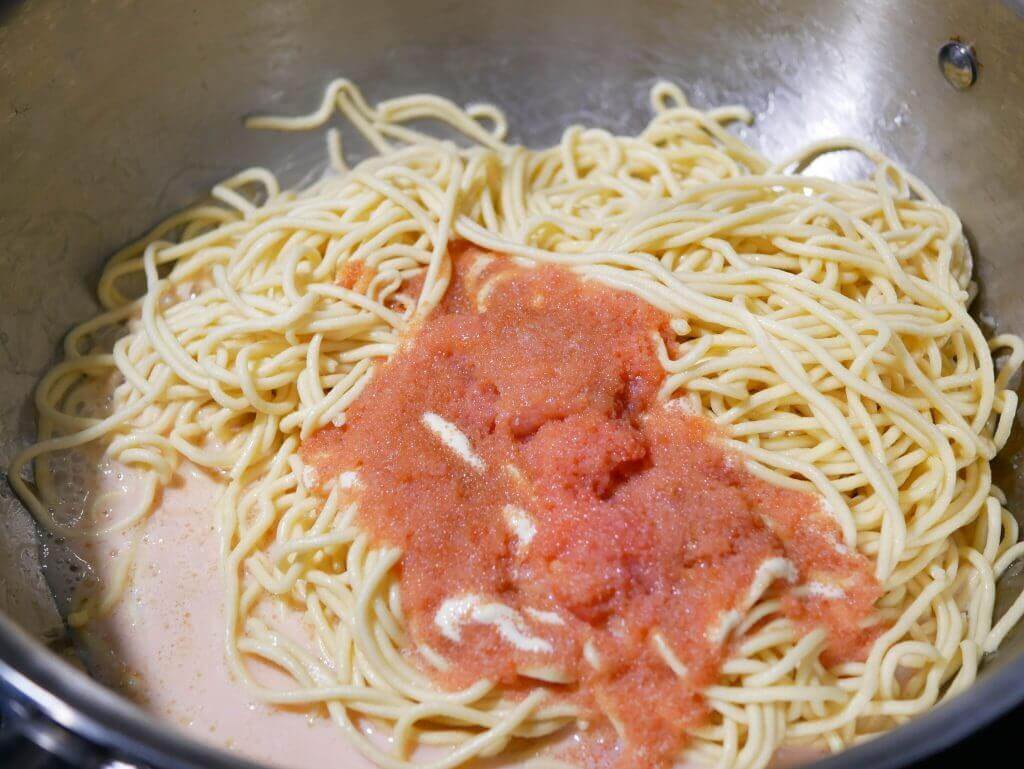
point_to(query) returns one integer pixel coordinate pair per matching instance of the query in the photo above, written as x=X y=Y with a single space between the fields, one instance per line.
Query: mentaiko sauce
x=559 y=525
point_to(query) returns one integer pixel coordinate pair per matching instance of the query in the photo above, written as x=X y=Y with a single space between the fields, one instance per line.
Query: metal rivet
x=959 y=65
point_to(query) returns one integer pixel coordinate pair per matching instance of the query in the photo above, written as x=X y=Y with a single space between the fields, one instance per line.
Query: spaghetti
x=821 y=326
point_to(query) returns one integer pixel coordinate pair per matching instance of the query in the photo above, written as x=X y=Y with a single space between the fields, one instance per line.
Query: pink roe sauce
x=646 y=527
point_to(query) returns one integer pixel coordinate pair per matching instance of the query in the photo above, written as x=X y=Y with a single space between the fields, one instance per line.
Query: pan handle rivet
x=959 y=64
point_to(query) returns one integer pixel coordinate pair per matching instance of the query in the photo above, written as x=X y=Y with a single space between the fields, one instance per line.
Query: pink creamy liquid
x=163 y=644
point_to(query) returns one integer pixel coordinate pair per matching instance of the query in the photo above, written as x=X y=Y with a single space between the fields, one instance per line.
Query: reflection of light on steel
x=853 y=85
x=845 y=165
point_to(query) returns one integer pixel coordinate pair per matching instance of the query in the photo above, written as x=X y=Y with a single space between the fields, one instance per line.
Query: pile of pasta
x=822 y=325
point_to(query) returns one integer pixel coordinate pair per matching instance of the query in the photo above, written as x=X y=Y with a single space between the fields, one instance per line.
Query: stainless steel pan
x=115 y=113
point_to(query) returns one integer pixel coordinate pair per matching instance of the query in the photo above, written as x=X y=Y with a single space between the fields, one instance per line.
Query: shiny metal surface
x=115 y=113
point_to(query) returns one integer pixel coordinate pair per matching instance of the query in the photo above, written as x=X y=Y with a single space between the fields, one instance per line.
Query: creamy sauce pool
x=163 y=643
x=561 y=525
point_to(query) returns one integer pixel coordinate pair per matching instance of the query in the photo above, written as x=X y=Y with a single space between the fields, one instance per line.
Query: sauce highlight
x=559 y=524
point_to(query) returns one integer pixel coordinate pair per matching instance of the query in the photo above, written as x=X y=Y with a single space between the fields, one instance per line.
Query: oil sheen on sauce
x=561 y=526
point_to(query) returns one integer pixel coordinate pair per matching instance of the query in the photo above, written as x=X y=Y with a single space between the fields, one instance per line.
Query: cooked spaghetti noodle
x=822 y=326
